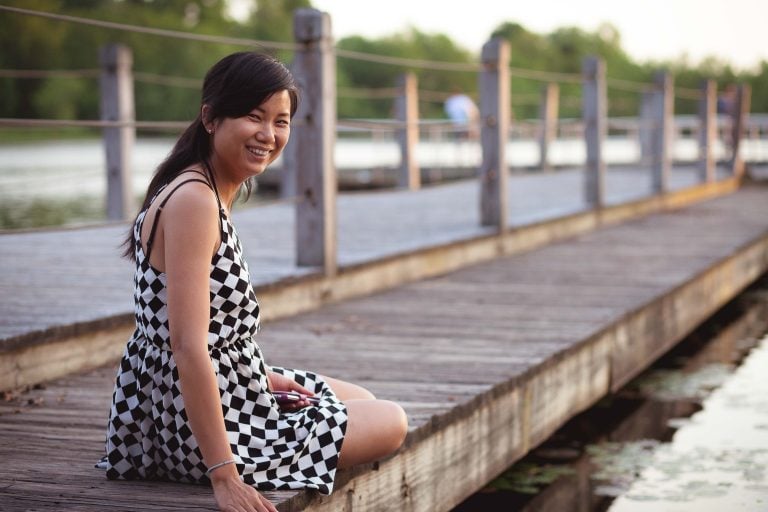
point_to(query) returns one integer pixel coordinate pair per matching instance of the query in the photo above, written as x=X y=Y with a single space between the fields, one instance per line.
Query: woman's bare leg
x=375 y=428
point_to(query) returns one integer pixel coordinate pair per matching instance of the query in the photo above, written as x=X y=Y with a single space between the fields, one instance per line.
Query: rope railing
x=177 y=34
x=353 y=124
x=390 y=125
x=344 y=125
x=172 y=81
x=433 y=96
x=49 y=73
x=413 y=63
x=688 y=94
x=545 y=76
x=152 y=78
x=628 y=85
x=78 y=123
x=380 y=93
x=315 y=138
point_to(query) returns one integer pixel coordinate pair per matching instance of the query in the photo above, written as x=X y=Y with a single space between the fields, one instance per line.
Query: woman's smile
x=244 y=146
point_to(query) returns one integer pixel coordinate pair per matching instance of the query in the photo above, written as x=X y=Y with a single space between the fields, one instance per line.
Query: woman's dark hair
x=232 y=88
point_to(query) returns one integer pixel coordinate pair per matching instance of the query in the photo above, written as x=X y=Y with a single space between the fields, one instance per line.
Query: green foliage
x=60 y=98
x=563 y=51
x=413 y=44
x=272 y=20
x=759 y=84
x=39 y=43
x=31 y=42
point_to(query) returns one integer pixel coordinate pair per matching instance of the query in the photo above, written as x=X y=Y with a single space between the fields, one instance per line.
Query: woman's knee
x=396 y=425
x=399 y=424
x=376 y=428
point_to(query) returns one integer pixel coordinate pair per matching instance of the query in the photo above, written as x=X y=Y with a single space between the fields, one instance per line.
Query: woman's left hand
x=279 y=382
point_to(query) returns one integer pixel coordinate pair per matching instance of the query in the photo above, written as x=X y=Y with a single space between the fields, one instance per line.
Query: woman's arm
x=190 y=225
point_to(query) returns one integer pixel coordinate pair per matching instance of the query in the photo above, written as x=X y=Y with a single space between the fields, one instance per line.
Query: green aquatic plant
x=674 y=385
x=49 y=212
x=529 y=477
x=619 y=464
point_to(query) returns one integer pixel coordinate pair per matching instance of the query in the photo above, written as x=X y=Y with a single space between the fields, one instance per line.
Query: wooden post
x=117 y=105
x=289 y=158
x=595 y=129
x=645 y=130
x=663 y=106
x=314 y=135
x=548 y=114
x=741 y=109
x=707 y=130
x=494 y=132
x=407 y=113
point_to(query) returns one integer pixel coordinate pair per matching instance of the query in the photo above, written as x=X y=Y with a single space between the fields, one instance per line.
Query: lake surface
x=58 y=183
x=76 y=168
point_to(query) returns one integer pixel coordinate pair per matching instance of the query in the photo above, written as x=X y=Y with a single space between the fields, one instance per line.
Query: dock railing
x=309 y=174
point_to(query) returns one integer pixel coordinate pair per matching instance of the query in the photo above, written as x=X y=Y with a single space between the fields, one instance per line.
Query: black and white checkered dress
x=148 y=433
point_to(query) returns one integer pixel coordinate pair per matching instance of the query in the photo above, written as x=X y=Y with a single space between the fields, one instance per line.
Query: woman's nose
x=265 y=133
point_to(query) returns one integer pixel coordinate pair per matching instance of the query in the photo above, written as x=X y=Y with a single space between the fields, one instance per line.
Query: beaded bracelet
x=217 y=466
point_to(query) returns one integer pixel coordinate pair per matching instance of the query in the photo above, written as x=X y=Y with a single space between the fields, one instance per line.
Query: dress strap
x=151 y=238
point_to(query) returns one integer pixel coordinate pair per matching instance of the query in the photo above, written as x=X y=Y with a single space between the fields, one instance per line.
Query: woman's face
x=245 y=146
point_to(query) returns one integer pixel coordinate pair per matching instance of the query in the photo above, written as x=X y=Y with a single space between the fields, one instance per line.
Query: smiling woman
x=243 y=147
x=194 y=400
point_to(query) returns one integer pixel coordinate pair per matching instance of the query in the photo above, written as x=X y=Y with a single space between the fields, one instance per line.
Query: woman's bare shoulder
x=190 y=193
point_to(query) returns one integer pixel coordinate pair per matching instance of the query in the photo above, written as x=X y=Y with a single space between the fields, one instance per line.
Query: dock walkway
x=487 y=360
x=56 y=280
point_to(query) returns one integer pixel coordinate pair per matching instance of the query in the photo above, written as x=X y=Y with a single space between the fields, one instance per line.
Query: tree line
x=31 y=42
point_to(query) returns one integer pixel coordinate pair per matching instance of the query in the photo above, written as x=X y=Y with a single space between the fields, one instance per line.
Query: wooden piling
x=407 y=113
x=314 y=136
x=548 y=115
x=707 y=130
x=117 y=105
x=663 y=111
x=494 y=132
x=645 y=131
x=740 y=113
x=595 y=128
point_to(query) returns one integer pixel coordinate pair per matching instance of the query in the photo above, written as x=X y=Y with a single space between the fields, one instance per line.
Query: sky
x=731 y=30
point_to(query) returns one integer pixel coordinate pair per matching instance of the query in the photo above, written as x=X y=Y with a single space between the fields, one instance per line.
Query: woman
x=194 y=400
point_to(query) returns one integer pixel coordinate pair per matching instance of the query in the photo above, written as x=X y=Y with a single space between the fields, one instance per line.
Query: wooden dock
x=490 y=341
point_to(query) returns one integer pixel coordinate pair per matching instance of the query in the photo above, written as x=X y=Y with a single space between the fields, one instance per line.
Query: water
x=690 y=434
x=63 y=182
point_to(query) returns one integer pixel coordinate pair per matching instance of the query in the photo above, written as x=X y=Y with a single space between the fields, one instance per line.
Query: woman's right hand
x=232 y=495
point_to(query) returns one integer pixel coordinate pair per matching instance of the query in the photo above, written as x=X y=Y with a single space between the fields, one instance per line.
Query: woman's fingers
x=264 y=505
x=238 y=496
x=268 y=506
